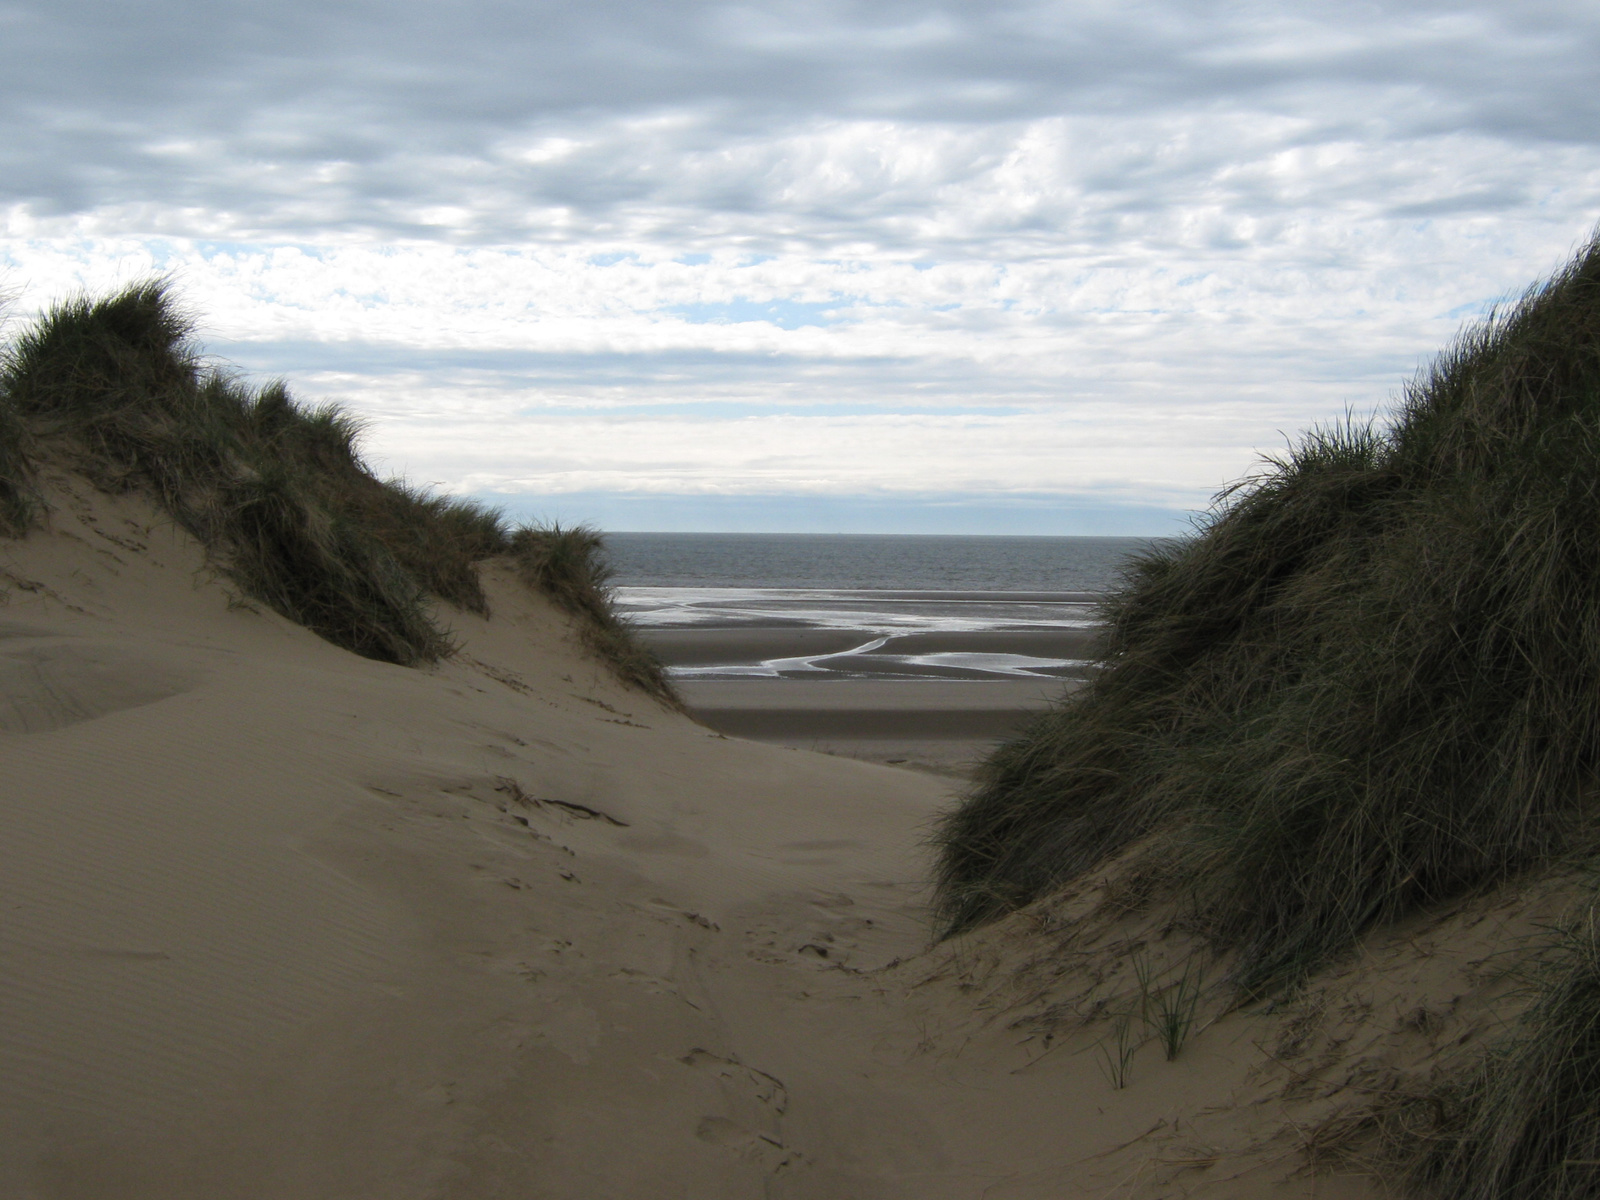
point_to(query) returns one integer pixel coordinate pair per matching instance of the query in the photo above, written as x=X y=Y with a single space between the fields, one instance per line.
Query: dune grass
x=569 y=566
x=19 y=503
x=1522 y=1121
x=1368 y=681
x=276 y=491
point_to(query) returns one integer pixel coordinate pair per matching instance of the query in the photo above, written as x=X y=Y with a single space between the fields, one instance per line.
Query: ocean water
x=784 y=606
x=877 y=562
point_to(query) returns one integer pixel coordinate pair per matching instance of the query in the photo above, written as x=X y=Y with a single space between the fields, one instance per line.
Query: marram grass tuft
x=568 y=566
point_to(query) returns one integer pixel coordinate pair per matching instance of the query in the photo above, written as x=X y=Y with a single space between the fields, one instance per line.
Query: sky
x=969 y=267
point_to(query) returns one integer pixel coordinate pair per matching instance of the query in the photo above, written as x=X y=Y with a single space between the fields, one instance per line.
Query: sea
x=844 y=606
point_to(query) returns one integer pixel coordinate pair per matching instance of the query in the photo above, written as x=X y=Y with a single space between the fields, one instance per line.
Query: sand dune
x=286 y=923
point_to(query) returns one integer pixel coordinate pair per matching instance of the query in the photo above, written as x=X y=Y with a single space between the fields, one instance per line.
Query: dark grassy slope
x=276 y=492
x=1523 y=1121
x=1370 y=680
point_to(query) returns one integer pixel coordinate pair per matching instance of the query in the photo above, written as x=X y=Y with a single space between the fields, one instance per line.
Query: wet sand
x=754 y=644
x=889 y=705
x=942 y=725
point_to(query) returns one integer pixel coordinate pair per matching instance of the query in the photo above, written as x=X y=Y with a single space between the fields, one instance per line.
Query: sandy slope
x=278 y=924
x=282 y=922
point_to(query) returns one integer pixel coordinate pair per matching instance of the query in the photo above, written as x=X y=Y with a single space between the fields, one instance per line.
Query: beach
x=927 y=679
x=940 y=725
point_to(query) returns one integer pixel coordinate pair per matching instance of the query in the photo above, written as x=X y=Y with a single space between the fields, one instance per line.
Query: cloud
x=494 y=122
x=1080 y=248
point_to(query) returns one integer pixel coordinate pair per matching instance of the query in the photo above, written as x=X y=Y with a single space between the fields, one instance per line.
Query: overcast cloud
x=1022 y=267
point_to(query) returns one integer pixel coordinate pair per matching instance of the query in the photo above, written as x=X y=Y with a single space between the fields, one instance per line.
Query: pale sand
x=278 y=926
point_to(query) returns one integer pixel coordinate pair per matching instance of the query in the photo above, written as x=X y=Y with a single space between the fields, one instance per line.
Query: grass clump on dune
x=568 y=566
x=1369 y=681
x=19 y=505
x=276 y=491
x=1523 y=1121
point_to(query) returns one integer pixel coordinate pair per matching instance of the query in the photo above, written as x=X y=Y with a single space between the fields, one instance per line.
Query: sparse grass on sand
x=276 y=491
x=1522 y=1121
x=569 y=566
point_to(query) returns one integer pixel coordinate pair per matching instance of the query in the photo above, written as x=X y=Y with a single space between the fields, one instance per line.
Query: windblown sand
x=280 y=922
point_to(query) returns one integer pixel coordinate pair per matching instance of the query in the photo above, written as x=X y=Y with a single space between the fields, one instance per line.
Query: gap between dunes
x=282 y=922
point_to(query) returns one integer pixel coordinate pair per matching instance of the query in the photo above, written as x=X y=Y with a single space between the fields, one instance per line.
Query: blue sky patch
x=785 y=314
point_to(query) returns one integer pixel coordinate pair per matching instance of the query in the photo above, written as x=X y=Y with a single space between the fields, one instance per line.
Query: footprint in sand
x=750 y=1125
